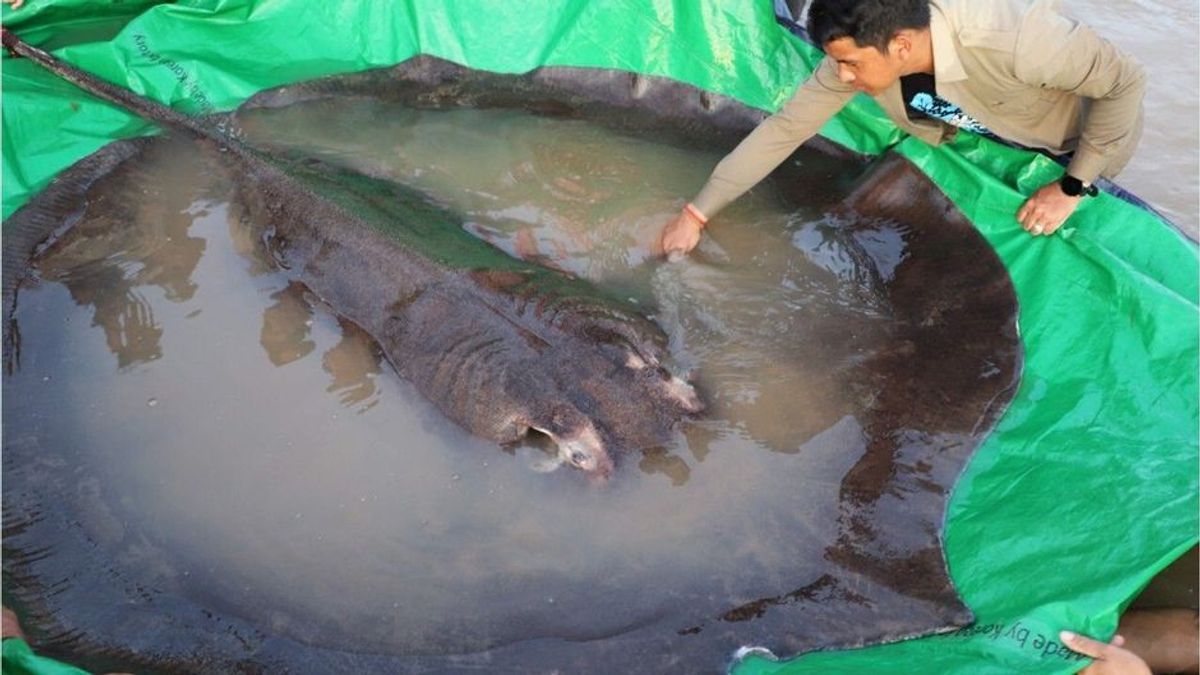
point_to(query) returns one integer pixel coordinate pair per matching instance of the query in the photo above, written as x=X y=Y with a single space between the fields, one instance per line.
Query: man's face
x=866 y=68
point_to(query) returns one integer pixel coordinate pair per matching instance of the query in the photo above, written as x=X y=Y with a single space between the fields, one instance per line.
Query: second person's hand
x=1110 y=658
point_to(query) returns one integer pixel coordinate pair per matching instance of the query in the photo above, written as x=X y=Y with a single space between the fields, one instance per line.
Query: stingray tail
x=119 y=96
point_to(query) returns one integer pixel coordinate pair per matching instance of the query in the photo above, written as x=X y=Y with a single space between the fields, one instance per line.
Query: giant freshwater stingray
x=933 y=396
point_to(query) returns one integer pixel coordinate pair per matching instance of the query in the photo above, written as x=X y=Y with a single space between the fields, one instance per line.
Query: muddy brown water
x=221 y=444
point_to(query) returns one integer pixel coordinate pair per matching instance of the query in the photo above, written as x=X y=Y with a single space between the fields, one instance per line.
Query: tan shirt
x=1020 y=68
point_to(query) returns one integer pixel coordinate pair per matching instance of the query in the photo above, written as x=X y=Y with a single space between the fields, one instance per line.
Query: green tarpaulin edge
x=1088 y=486
x=17 y=658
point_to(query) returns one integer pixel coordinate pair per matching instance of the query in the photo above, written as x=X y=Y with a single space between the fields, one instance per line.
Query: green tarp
x=1087 y=488
x=19 y=659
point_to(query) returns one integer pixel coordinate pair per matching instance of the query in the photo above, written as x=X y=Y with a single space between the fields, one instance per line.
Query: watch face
x=1071 y=186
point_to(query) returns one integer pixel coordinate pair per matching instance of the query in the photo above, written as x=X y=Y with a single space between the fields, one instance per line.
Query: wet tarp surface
x=1101 y=437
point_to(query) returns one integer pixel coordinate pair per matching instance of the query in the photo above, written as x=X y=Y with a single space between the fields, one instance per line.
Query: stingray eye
x=579 y=458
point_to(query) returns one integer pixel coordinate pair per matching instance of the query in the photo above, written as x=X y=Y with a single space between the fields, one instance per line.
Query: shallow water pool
x=219 y=441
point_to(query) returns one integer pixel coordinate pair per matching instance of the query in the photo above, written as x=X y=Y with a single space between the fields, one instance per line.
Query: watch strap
x=1073 y=187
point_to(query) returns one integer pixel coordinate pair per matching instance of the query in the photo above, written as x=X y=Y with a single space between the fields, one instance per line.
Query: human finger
x=677 y=246
x=1084 y=645
x=670 y=238
x=670 y=242
x=1039 y=222
x=1117 y=641
x=1024 y=211
x=11 y=627
x=660 y=243
x=1032 y=218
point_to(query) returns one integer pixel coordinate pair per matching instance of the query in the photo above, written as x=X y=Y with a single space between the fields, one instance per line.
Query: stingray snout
x=579 y=443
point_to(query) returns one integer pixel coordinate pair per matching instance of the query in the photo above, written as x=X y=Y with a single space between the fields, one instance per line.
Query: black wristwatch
x=1073 y=187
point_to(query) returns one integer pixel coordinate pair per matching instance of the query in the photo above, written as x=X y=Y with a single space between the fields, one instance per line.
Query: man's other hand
x=681 y=234
x=1110 y=659
x=1046 y=210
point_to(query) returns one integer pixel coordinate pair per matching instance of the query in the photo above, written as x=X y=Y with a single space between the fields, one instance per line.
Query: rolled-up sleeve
x=1056 y=52
x=817 y=100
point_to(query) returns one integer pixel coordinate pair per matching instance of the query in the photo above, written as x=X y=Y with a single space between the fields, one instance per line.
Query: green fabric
x=1089 y=485
x=19 y=659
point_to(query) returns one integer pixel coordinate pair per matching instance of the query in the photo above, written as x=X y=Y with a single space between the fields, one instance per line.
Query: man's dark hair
x=871 y=23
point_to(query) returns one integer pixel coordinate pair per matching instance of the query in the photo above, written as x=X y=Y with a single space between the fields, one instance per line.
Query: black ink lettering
x=1051 y=649
x=199 y=98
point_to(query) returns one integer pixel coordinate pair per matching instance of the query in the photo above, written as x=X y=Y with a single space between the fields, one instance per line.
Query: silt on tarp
x=1087 y=487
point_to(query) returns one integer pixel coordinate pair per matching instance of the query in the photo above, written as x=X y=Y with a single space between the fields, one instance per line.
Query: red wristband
x=695 y=213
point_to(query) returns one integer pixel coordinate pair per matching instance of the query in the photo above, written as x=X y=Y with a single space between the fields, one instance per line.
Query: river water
x=1164 y=36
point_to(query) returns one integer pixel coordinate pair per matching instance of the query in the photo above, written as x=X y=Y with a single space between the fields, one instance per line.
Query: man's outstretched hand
x=681 y=234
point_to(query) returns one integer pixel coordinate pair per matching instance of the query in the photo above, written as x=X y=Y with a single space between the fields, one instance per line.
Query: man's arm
x=1063 y=54
x=771 y=142
x=1071 y=57
x=817 y=100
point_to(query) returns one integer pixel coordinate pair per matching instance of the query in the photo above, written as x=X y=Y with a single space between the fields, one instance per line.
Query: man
x=1017 y=68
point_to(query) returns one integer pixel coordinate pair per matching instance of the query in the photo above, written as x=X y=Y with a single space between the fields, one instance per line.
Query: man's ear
x=901 y=45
